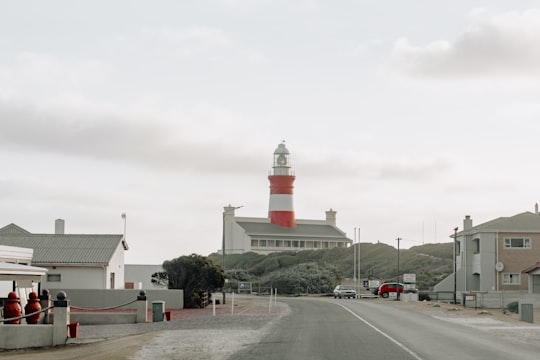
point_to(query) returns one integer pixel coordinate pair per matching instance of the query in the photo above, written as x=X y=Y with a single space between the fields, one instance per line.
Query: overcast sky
x=403 y=116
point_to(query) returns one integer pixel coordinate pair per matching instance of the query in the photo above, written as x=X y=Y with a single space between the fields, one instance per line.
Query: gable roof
x=13 y=229
x=64 y=249
x=263 y=230
x=526 y=222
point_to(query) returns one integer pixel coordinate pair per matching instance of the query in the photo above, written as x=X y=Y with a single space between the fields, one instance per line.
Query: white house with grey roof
x=73 y=261
x=250 y=234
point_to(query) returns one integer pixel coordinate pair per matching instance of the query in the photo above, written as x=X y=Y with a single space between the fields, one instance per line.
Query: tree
x=193 y=273
x=160 y=279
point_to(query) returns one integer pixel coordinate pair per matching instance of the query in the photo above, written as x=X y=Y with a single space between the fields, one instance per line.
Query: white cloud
x=190 y=40
x=107 y=136
x=493 y=44
x=34 y=75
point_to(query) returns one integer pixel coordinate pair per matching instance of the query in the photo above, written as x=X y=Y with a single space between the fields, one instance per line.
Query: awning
x=18 y=272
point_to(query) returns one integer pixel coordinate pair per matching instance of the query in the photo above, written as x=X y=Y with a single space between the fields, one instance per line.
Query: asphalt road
x=348 y=329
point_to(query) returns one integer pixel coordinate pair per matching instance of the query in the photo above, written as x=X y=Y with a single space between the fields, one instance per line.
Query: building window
x=511 y=279
x=262 y=243
x=112 y=281
x=54 y=277
x=476 y=246
x=517 y=243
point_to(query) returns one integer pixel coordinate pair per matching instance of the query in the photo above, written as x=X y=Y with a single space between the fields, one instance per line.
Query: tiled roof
x=66 y=249
x=524 y=222
x=264 y=230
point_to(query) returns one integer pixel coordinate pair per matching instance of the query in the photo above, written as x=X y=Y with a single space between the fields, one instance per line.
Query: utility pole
x=354 y=260
x=455 y=264
x=397 y=282
x=359 y=254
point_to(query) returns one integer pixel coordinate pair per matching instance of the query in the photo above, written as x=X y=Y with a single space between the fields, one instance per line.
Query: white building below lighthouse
x=280 y=231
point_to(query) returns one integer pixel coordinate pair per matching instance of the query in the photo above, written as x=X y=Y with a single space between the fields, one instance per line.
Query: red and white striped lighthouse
x=280 y=211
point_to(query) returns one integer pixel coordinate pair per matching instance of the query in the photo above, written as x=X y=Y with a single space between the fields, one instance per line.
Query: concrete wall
x=91 y=318
x=25 y=336
x=106 y=298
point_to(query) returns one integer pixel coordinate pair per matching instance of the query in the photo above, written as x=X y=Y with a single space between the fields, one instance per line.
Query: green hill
x=430 y=262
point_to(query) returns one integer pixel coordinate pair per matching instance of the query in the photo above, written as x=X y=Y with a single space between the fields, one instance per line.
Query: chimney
x=467 y=222
x=536 y=208
x=331 y=217
x=59 y=226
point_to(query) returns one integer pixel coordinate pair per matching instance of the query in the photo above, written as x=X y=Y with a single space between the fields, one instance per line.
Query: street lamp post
x=223 y=255
x=124 y=216
x=455 y=264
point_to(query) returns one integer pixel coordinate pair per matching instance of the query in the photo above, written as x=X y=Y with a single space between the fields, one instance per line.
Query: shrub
x=513 y=307
x=423 y=296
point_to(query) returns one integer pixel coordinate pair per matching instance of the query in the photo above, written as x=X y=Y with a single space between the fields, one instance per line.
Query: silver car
x=344 y=291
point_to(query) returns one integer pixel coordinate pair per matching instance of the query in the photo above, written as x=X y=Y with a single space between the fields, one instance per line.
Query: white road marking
x=412 y=353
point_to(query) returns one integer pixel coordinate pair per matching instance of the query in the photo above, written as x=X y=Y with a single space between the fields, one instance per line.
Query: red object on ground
x=32 y=306
x=168 y=315
x=73 y=330
x=12 y=308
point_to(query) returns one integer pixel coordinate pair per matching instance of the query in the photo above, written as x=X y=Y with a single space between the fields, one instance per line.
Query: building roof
x=19 y=272
x=526 y=222
x=63 y=249
x=531 y=268
x=266 y=231
x=13 y=229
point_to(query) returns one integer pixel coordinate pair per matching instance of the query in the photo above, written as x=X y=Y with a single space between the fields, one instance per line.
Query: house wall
x=142 y=275
x=76 y=277
x=236 y=239
x=487 y=257
x=475 y=271
x=116 y=266
x=515 y=260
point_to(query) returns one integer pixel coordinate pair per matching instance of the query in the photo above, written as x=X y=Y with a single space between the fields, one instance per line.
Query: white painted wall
x=76 y=278
x=142 y=274
x=116 y=266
